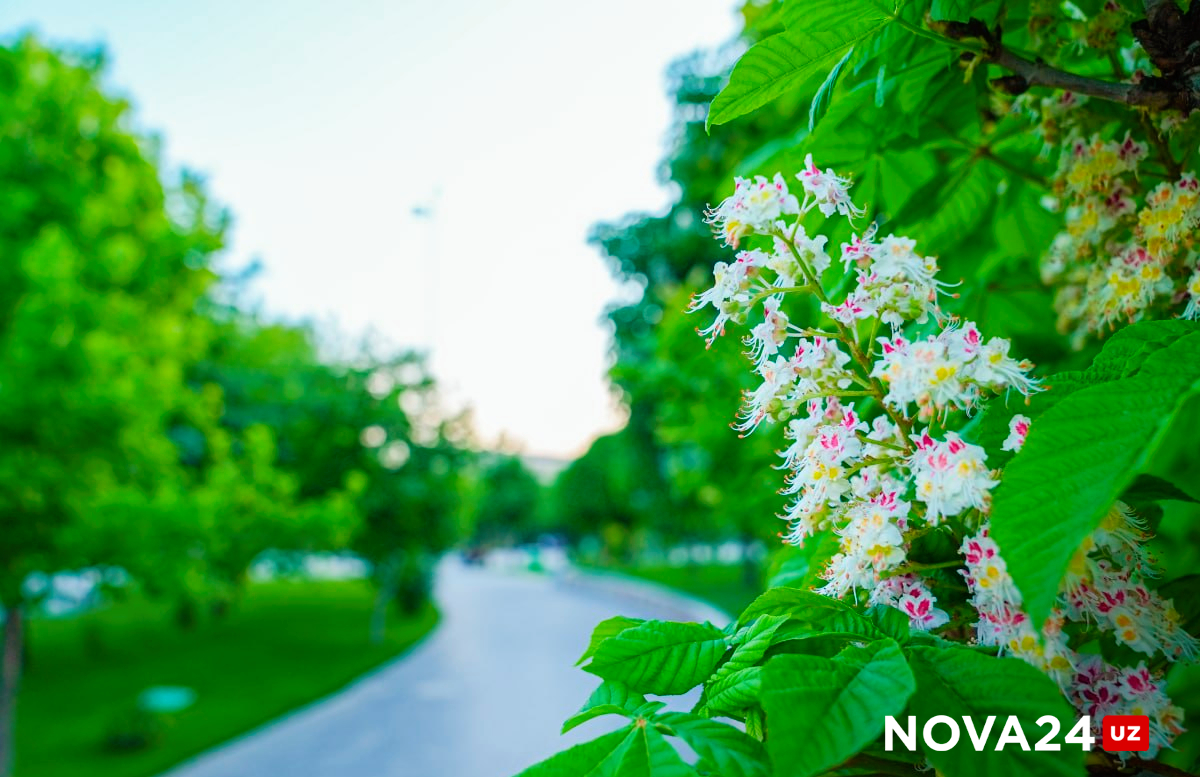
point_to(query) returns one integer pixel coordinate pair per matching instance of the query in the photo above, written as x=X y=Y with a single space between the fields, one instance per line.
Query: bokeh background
x=345 y=378
x=323 y=331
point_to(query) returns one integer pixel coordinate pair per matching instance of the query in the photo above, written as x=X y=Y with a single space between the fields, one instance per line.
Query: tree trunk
x=387 y=579
x=10 y=679
x=751 y=569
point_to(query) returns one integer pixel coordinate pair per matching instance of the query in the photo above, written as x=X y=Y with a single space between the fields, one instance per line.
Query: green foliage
x=722 y=748
x=813 y=45
x=1057 y=491
x=103 y=271
x=508 y=501
x=640 y=749
x=958 y=682
x=822 y=710
x=659 y=657
x=611 y=698
x=147 y=422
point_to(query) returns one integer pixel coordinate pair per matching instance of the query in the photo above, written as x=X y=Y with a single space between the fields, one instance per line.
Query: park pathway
x=483 y=696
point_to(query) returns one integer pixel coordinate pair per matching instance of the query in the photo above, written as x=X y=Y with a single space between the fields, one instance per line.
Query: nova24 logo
x=942 y=732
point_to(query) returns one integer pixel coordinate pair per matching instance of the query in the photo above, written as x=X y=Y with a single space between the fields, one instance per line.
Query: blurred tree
x=699 y=480
x=367 y=455
x=506 y=508
x=604 y=493
x=99 y=287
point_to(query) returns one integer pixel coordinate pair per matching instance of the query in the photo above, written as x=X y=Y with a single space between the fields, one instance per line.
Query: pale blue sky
x=322 y=125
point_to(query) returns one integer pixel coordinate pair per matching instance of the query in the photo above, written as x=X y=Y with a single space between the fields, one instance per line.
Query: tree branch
x=1028 y=74
x=1167 y=33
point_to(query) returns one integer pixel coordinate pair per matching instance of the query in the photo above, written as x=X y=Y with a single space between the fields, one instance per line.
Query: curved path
x=483 y=696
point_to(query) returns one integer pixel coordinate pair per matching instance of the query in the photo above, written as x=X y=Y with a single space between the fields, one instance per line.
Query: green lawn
x=722 y=585
x=285 y=644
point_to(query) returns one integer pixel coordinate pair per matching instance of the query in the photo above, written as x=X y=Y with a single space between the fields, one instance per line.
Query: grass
x=721 y=585
x=285 y=644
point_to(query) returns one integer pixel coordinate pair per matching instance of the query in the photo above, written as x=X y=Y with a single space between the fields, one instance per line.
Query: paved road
x=483 y=696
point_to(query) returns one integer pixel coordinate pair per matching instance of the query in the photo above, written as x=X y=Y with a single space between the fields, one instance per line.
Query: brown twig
x=1165 y=30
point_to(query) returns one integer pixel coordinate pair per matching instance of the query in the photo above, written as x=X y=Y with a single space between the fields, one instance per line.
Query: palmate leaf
x=660 y=657
x=734 y=686
x=1127 y=350
x=810 y=16
x=579 y=760
x=733 y=691
x=796 y=603
x=1147 y=489
x=957 y=682
x=821 y=711
x=1079 y=457
x=731 y=752
x=605 y=629
x=818 y=37
x=635 y=751
x=611 y=698
x=809 y=614
x=965 y=195
x=752 y=643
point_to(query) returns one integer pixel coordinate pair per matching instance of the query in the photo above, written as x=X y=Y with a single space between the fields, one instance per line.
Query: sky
x=423 y=172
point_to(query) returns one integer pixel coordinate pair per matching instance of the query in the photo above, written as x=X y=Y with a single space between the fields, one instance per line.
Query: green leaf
x=1146 y=489
x=958 y=10
x=813 y=643
x=660 y=657
x=1079 y=457
x=821 y=100
x=821 y=711
x=992 y=428
x=1127 y=350
x=580 y=760
x=605 y=629
x=965 y=195
x=1184 y=593
x=809 y=16
x=956 y=682
x=752 y=643
x=891 y=622
x=734 y=686
x=733 y=753
x=783 y=62
x=608 y=699
x=796 y=603
x=649 y=755
x=634 y=751
x=734 y=691
x=812 y=617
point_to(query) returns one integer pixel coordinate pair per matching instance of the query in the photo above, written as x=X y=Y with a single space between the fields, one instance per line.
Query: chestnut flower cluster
x=871 y=457
x=1104 y=589
x=879 y=484
x=1128 y=248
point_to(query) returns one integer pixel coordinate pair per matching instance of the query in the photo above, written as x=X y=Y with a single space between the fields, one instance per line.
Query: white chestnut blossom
x=754 y=206
x=909 y=594
x=947 y=371
x=1018 y=430
x=858 y=393
x=1103 y=588
x=830 y=191
x=950 y=476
